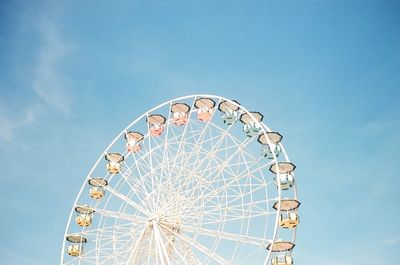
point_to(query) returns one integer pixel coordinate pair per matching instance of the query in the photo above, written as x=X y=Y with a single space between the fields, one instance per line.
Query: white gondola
x=75 y=246
x=284 y=176
x=133 y=141
x=281 y=252
x=281 y=246
x=270 y=144
x=84 y=215
x=286 y=180
x=180 y=113
x=282 y=260
x=114 y=162
x=288 y=216
x=288 y=220
x=97 y=191
x=205 y=108
x=156 y=124
x=230 y=113
x=287 y=205
x=251 y=125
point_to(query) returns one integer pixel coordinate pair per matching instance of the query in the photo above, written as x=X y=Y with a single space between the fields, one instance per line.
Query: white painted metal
x=200 y=193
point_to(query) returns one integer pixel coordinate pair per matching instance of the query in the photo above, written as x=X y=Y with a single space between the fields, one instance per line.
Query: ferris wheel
x=196 y=180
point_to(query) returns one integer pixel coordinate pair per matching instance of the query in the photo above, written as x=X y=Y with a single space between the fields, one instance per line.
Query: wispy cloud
x=10 y=121
x=391 y=240
x=379 y=127
x=49 y=84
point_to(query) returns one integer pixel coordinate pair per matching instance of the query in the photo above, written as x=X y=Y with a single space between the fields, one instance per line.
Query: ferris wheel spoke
x=205 y=250
x=147 y=183
x=172 y=244
x=154 y=180
x=240 y=147
x=216 y=172
x=239 y=195
x=158 y=188
x=151 y=172
x=116 y=252
x=229 y=236
x=128 y=201
x=140 y=174
x=118 y=246
x=236 y=176
x=222 y=137
x=143 y=251
x=200 y=138
x=215 y=206
x=177 y=139
x=195 y=260
x=161 y=247
x=203 y=185
x=119 y=215
x=212 y=213
x=190 y=256
x=201 y=179
x=250 y=211
x=151 y=239
x=135 y=250
x=231 y=219
x=125 y=246
x=109 y=228
x=165 y=143
x=108 y=235
x=181 y=141
x=95 y=253
x=198 y=246
x=136 y=188
x=222 y=188
x=209 y=156
x=155 y=169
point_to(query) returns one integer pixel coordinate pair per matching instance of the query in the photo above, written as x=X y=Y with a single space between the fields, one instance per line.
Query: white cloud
x=10 y=121
x=49 y=83
x=6 y=128
x=391 y=240
x=380 y=127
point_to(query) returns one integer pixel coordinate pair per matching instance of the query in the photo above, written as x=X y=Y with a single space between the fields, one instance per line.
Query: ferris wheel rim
x=265 y=129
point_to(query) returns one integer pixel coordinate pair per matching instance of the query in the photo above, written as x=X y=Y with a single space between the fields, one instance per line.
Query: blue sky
x=324 y=73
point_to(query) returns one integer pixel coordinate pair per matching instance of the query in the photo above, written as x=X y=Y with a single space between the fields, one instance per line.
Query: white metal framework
x=195 y=180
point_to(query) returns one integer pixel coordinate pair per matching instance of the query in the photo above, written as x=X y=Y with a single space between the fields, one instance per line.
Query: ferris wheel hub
x=153 y=219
